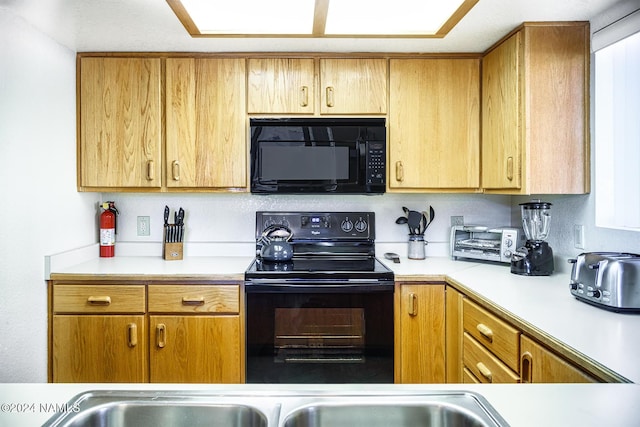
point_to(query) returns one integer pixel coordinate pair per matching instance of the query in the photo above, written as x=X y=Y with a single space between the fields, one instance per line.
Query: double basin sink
x=199 y=409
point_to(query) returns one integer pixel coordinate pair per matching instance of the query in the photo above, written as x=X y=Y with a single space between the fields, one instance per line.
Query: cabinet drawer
x=99 y=299
x=468 y=377
x=495 y=334
x=194 y=299
x=485 y=366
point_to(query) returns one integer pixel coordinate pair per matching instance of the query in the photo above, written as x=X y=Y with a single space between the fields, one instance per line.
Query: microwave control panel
x=376 y=160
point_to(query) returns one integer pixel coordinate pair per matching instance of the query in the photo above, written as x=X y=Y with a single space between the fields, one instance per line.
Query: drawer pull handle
x=106 y=300
x=399 y=171
x=329 y=93
x=484 y=371
x=192 y=301
x=133 y=334
x=413 y=306
x=526 y=367
x=161 y=335
x=485 y=331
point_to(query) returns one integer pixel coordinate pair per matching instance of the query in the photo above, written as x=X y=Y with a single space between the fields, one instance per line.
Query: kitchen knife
x=166 y=223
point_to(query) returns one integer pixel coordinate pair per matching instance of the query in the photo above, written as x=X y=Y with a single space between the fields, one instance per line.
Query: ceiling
x=150 y=25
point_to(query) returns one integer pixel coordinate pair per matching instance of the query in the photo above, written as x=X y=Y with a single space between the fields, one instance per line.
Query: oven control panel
x=320 y=225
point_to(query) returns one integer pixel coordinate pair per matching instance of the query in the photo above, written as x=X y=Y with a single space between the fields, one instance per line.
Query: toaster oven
x=483 y=243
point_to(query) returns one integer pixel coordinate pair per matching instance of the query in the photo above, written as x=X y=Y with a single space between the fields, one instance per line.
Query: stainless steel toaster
x=609 y=280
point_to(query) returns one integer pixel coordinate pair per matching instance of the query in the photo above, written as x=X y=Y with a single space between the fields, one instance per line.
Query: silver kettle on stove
x=274 y=243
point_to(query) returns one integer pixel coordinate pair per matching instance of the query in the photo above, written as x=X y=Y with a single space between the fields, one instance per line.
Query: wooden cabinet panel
x=434 y=124
x=539 y=365
x=195 y=349
x=99 y=348
x=206 y=123
x=353 y=86
x=281 y=85
x=501 y=113
x=99 y=299
x=535 y=115
x=495 y=334
x=420 y=343
x=486 y=367
x=454 y=329
x=120 y=123
x=194 y=299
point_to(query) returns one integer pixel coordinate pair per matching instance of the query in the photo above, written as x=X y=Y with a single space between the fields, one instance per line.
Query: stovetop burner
x=327 y=246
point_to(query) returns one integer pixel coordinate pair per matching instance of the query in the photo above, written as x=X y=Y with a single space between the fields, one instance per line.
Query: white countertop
x=521 y=405
x=544 y=303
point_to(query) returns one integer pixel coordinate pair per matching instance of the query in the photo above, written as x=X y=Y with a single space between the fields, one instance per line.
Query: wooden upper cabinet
x=535 y=111
x=434 y=124
x=281 y=85
x=206 y=123
x=353 y=86
x=120 y=123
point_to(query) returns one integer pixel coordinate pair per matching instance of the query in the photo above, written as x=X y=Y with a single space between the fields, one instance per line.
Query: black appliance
x=318 y=155
x=326 y=315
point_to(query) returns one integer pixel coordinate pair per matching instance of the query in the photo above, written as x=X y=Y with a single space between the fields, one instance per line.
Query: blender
x=535 y=258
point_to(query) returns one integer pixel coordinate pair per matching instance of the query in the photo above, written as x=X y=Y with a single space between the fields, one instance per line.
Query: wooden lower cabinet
x=194 y=349
x=183 y=332
x=99 y=349
x=539 y=365
x=420 y=333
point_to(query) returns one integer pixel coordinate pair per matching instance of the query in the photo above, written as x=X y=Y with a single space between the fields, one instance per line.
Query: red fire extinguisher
x=108 y=229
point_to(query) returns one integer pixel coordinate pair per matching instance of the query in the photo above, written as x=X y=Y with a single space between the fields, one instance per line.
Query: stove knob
x=346 y=225
x=361 y=225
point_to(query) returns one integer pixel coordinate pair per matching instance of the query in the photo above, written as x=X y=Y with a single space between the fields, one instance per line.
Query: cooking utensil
x=413 y=220
x=393 y=257
x=275 y=243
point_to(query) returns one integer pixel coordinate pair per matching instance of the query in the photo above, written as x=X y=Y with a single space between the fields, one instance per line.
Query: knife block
x=172 y=251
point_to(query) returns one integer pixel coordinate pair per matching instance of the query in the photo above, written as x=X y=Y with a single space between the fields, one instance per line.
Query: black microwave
x=318 y=155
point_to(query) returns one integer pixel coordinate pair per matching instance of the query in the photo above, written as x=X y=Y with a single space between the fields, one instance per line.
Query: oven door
x=334 y=335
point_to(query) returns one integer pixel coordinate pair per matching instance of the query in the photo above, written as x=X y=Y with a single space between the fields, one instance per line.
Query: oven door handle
x=318 y=287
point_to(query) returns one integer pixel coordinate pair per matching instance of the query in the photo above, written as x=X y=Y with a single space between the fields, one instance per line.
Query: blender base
x=534 y=259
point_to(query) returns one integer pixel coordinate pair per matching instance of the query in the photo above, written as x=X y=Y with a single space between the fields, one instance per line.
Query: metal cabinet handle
x=399 y=171
x=329 y=96
x=484 y=371
x=150 y=171
x=526 y=367
x=161 y=335
x=192 y=300
x=102 y=300
x=304 y=92
x=175 y=170
x=485 y=331
x=133 y=334
x=413 y=306
x=510 y=168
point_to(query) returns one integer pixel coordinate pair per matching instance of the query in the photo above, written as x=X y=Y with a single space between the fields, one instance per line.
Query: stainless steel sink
x=441 y=410
x=290 y=409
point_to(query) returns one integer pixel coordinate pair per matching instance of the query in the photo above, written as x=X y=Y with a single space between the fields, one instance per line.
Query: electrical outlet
x=457 y=220
x=578 y=236
x=144 y=226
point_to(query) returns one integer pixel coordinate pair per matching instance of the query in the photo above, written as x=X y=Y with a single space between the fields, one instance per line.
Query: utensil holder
x=416 y=247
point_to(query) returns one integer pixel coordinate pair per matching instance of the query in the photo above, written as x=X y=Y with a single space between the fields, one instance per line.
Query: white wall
x=41 y=211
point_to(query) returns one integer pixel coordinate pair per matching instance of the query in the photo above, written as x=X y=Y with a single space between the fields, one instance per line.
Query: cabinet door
x=420 y=338
x=120 y=122
x=99 y=348
x=434 y=123
x=353 y=86
x=539 y=365
x=454 y=331
x=281 y=85
x=206 y=123
x=195 y=349
x=501 y=115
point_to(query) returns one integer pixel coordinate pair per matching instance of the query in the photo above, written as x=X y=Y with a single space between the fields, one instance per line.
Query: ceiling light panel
x=397 y=17
x=251 y=16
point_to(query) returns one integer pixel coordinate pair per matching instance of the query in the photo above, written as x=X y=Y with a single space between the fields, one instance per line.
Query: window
x=617 y=125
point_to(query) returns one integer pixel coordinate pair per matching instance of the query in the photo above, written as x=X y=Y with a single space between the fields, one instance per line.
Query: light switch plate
x=578 y=236
x=457 y=220
x=144 y=226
